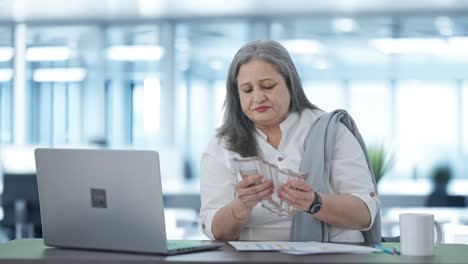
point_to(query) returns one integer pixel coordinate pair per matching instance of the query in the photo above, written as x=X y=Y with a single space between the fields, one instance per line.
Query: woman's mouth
x=261 y=109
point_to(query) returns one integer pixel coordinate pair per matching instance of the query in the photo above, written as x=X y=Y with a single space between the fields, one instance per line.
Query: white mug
x=417 y=234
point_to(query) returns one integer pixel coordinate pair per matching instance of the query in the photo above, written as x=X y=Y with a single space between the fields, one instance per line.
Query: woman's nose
x=258 y=95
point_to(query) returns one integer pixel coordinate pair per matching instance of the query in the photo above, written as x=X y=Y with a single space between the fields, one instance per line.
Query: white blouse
x=349 y=175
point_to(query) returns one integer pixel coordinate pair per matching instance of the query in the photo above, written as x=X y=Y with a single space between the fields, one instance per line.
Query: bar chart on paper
x=301 y=248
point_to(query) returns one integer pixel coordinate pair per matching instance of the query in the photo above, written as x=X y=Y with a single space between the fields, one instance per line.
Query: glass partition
x=328 y=96
x=6 y=84
x=161 y=85
x=203 y=52
x=465 y=119
x=134 y=83
x=370 y=106
x=422 y=109
x=397 y=76
x=61 y=74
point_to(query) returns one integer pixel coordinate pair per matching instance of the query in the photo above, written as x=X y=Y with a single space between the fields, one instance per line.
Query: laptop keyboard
x=184 y=246
x=179 y=244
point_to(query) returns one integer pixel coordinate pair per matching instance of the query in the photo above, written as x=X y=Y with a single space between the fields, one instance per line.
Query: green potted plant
x=441 y=175
x=381 y=160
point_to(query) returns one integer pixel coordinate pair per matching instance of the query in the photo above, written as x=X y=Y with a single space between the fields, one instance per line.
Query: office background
x=151 y=74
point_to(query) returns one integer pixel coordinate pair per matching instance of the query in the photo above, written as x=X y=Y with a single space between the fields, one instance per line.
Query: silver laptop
x=105 y=200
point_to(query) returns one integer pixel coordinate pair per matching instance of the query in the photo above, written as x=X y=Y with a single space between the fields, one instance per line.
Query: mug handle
x=438 y=233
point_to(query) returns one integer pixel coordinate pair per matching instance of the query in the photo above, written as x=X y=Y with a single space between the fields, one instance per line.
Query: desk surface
x=34 y=251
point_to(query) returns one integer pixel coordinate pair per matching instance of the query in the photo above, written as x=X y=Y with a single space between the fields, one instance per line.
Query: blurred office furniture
x=439 y=197
x=445 y=200
x=21 y=205
x=20 y=197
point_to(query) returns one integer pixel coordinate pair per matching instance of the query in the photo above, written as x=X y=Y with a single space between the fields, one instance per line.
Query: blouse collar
x=284 y=126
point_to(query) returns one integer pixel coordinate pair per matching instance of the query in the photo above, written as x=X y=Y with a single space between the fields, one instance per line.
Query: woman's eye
x=247 y=90
x=268 y=87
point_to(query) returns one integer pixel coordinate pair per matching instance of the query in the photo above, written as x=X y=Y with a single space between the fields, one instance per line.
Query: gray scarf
x=317 y=160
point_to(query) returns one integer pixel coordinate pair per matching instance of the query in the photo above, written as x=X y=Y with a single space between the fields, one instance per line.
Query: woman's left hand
x=298 y=194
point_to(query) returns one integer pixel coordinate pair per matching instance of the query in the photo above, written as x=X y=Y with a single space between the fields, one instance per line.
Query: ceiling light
x=321 y=64
x=135 y=53
x=59 y=75
x=216 y=65
x=150 y=8
x=444 y=25
x=6 y=75
x=302 y=46
x=410 y=45
x=6 y=53
x=48 y=53
x=344 y=25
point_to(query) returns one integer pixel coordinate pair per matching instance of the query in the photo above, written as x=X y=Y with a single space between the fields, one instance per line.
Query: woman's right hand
x=250 y=193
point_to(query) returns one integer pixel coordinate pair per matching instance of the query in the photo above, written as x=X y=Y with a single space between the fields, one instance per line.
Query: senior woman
x=268 y=115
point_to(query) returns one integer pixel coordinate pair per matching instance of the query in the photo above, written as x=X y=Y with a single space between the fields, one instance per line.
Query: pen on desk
x=384 y=249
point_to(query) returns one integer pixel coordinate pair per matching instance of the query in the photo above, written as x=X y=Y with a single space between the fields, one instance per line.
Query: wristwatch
x=316 y=205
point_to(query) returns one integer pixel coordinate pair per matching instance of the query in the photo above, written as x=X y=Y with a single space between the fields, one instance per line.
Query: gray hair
x=237 y=128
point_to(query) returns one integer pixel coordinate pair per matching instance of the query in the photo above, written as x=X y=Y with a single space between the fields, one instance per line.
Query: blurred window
x=60 y=62
x=370 y=108
x=220 y=95
x=135 y=85
x=353 y=62
x=328 y=96
x=465 y=119
x=203 y=52
x=6 y=84
x=162 y=84
x=426 y=128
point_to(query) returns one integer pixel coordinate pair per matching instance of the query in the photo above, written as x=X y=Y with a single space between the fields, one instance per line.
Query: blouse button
x=203 y=226
x=280 y=159
x=372 y=194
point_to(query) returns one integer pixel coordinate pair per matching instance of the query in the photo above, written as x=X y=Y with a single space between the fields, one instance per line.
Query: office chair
x=19 y=198
x=20 y=204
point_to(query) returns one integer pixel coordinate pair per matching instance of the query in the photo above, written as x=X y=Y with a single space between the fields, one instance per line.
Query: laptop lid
x=102 y=199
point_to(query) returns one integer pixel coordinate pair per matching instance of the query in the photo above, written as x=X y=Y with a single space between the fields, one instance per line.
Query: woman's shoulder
x=218 y=146
x=317 y=112
x=218 y=152
x=309 y=116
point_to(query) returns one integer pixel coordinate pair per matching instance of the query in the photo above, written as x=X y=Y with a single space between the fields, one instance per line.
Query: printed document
x=301 y=248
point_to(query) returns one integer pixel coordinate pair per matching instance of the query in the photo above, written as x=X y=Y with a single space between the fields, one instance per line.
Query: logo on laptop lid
x=98 y=198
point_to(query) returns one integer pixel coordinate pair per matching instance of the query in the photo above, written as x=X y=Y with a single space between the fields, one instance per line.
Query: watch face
x=315 y=208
